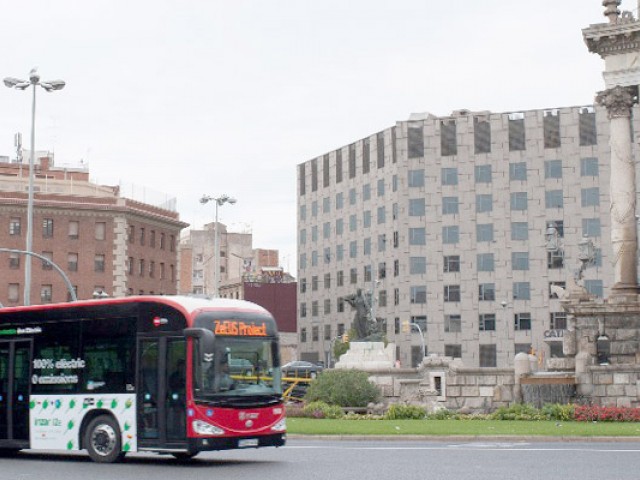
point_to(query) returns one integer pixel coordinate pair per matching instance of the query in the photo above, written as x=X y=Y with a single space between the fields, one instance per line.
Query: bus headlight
x=204 y=428
x=281 y=426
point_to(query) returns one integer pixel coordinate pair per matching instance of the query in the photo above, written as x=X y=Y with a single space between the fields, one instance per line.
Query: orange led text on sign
x=234 y=327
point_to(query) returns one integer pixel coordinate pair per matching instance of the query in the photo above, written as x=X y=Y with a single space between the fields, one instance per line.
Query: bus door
x=15 y=359
x=162 y=392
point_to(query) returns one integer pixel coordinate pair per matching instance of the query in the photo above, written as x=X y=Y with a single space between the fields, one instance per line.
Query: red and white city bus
x=166 y=374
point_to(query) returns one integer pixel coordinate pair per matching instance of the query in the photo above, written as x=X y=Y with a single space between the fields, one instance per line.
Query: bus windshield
x=242 y=369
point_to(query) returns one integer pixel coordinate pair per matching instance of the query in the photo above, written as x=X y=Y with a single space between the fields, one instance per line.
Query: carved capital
x=617 y=100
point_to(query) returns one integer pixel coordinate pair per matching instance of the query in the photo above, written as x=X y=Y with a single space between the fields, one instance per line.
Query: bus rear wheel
x=103 y=440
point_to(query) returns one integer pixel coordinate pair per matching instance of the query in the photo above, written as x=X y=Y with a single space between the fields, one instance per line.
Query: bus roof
x=186 y=304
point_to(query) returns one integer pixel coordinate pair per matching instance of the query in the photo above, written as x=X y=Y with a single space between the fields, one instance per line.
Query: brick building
x=100 y=239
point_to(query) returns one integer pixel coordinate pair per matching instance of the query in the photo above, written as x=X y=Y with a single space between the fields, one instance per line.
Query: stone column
x=624 y=239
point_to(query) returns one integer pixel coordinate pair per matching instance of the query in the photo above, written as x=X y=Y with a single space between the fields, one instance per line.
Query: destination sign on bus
x=238 y=327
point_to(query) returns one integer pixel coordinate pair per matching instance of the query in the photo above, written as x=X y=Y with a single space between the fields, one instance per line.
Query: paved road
x=355 y=460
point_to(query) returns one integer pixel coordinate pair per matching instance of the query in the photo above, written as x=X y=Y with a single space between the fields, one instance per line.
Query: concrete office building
x=443 y=220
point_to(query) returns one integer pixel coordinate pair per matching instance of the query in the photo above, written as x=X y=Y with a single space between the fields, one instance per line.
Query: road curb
x=465 y=438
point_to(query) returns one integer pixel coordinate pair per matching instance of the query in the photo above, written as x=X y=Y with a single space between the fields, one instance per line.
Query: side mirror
x=206 y=342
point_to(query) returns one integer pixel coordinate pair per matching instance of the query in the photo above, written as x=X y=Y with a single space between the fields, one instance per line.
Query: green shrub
x=322 y=410
x=443 y=414
x=405 y=412
x=557 y=411
x=517 y=411
x=345 y=388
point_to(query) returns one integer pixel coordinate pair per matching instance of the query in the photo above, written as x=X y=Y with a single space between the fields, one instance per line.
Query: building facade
x=102 y=241
x=442 y=221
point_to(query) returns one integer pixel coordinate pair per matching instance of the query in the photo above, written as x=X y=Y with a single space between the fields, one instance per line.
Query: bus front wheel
x=103 y=440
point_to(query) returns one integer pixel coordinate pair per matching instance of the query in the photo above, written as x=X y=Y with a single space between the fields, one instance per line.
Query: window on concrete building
x=380 y=187
x=327 y=306
x=380 y=149
x=417 y=265
x=519 y=230
x=303 y=335
x=594 y=287
x=367 y=273
x=587 y=127
x=516 y=132
x=454 y=351
x=487 y=322
x=518 y=172
x=451 y=263
x=448 y=140
x=417 y=236
x=396 y=325
x=558 y=320
x=353 y=276
x=481 y=135
x=522 y=348
x=418 y=294
x=338 y=167
x=382 y=298
x=415 y=141
x=421 y=321
x=487 y=292
x=453 y=323
x=589 y=167
x=314 y=175
x=396 y=296
x=551 y=129
x=340 y=305
x=352 y=160
x=449 y=176
x=553 y=199
x=314 y=308
x=484 y=203
x=553 y=169
x=366 y=155
x=520 y=260
x=450 y=234
x=484 y=232
x=591 y=227
x=382 y=242
x=450 y=205
x=521 y=291
x=416 y=207
x=353 y=249
x=327 y=332
x=522 y=321
x=416 y=178
x=590 y=197
x=142 y=231
x=325 y=171
x=519 y=201
x=487 y=356
x=451 y=293
x=482 y=173
x=327 y=280
x=485 y=262
x=340 y=278
x=302 y=179
x=555 y=259
x=366 y=219
x=553 y=292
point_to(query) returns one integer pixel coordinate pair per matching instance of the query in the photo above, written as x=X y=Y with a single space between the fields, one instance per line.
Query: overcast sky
x=211 y=97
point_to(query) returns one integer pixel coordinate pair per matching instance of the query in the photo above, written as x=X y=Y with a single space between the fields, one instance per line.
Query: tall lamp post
x=49 y=86
x=216 y=242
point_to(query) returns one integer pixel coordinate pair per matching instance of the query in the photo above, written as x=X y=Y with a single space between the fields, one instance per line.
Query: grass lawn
x=309 y=426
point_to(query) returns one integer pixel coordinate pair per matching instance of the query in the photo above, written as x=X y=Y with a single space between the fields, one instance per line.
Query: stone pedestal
x=368 y=356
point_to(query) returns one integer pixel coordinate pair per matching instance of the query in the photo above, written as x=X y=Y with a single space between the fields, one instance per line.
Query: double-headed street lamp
x=216 y=242
x=49 y=86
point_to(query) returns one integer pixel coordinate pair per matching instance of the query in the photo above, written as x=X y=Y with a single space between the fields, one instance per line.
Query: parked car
x=301 y=369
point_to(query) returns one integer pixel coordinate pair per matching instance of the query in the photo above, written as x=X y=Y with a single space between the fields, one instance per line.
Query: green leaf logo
x=126 y=447
x=128 y=403
x=114 y=403
x=70 y=445
x=100 y=403
x=72 y=404
x=127 y=426
x=70 y=425
x=32 y=404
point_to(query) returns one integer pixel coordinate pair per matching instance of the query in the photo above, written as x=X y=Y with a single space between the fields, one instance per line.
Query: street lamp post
x=49 y=86
x=216 y=242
